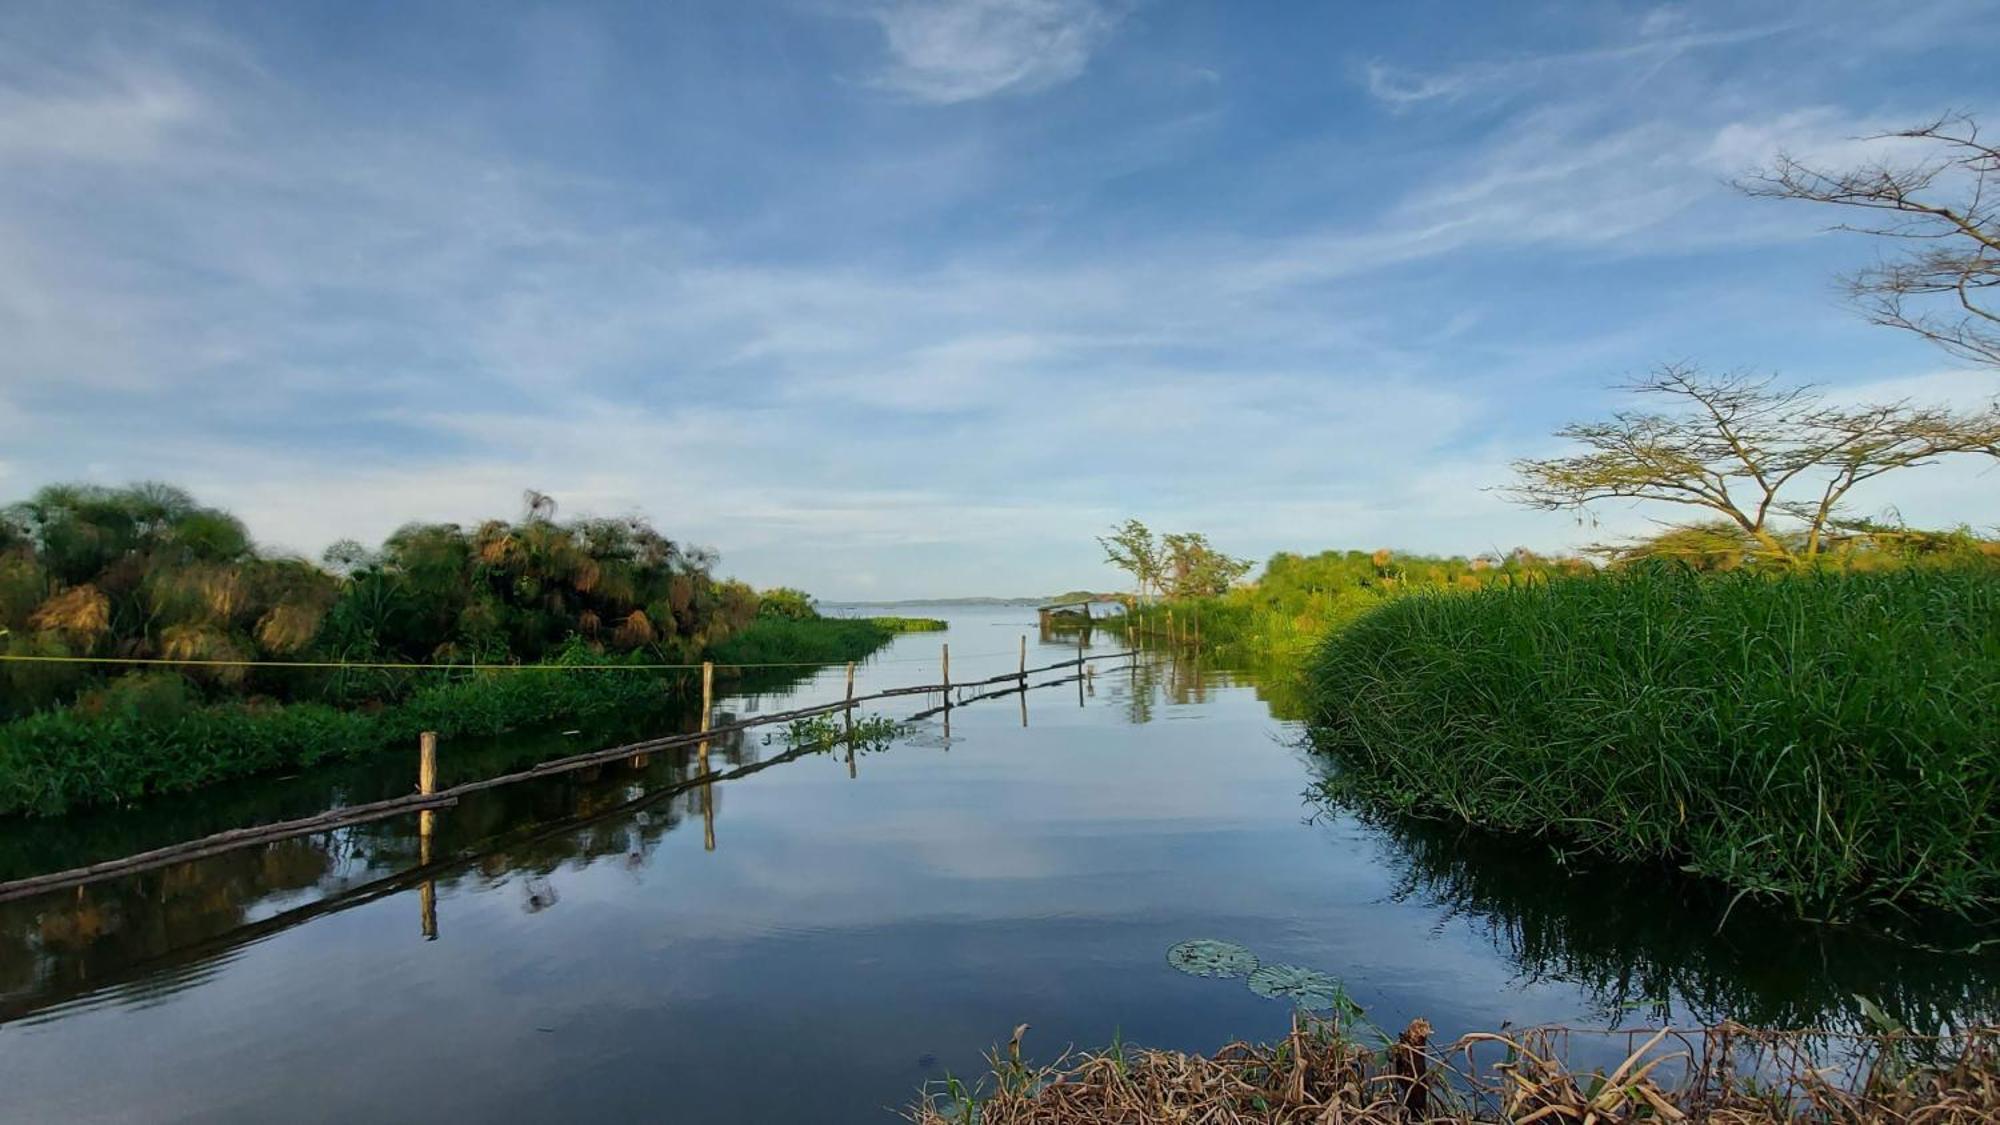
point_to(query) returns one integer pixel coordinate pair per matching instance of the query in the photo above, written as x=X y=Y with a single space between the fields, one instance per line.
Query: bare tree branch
x=1947 y=205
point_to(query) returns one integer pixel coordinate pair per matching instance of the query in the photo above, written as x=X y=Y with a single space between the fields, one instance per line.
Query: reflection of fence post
x=427 y=746
x=707 y=812
x=850 y=720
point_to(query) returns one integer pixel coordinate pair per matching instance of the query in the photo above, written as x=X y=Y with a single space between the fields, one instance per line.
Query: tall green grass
x=1822 y=739
x=812 y=640
x=152 y=735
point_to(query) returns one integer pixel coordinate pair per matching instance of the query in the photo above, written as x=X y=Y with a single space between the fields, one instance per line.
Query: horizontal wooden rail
x=418 y=802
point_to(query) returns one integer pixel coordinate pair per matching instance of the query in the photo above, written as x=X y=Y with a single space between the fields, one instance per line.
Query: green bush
x=910 y=624
x=142 y=736
x=1829 y=740
x=785 y=640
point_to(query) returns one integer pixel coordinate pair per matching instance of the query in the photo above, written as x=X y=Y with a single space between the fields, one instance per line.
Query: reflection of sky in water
x=845 y=941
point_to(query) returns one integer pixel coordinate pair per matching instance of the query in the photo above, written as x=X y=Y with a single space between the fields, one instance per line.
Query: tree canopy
x=1750 y=451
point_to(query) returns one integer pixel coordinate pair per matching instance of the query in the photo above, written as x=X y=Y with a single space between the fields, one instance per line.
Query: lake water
x=815 y=940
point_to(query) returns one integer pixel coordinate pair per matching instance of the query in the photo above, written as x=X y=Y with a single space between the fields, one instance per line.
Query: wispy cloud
x=871 y=332
x=1663 y=35
x=946 y=51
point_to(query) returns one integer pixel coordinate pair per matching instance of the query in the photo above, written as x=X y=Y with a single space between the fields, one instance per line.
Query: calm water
x=813 y=941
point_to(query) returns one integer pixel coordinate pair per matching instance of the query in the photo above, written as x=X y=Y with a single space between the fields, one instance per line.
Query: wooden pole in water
x=707 y=706
x=707 y=787
x=427 y=762
x=707 y=691
x=1024 y=679
x=427 y=773
x=946 y=657
x=850 y=720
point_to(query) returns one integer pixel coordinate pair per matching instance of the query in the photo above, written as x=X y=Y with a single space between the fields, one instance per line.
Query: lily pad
x=1307 y=988
x=1206 y=957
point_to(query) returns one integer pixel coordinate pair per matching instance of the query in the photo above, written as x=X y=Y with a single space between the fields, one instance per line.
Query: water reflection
x=923 y=902
x=158 y=932
x=1650 y=945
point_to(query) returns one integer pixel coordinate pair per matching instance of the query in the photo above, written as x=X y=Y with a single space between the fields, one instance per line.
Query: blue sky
x=909 y=299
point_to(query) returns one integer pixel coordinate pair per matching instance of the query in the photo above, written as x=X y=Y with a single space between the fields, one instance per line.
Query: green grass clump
x=910 y=624
x=812 y=640
x=1827 y=740
x=150 y=735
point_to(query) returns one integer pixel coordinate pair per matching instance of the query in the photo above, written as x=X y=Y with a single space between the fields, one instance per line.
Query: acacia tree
x=1131 y=548
x=1739 y=447
x=1945 y=207
x=1194 y=569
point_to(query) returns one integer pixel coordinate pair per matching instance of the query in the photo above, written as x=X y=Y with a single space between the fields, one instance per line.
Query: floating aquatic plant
x=1307 y=988
x=1206 y=957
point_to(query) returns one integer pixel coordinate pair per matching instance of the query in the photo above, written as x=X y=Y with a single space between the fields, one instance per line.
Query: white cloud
x=947 y=51
x=1664 y=35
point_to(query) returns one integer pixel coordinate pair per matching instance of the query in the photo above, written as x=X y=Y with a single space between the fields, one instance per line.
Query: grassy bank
x=1823 y=739
x=151 y=734
x=1320 y=1074
x=1300 y=598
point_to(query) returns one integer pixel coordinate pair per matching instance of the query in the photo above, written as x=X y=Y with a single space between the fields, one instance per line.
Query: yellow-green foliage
x=147 y=572
x=1299 y=598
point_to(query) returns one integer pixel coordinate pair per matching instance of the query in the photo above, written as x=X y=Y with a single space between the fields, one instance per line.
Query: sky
x=886 y=298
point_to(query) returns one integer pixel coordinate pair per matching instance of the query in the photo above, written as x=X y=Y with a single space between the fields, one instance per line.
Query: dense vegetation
x=1298 y=598
x=147 y=574
x=1823 y=737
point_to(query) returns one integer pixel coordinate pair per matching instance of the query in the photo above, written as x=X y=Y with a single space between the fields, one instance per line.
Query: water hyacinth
x=1207 y=957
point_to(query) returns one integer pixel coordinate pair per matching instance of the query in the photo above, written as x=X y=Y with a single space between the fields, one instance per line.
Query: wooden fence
x=428 y=799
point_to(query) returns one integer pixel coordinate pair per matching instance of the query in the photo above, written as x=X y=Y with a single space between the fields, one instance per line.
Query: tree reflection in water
x=159 y=932
x=1651 y=944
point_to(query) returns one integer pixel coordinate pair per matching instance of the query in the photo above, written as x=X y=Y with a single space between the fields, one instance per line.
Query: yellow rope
x=25 y=658
x=30 y=658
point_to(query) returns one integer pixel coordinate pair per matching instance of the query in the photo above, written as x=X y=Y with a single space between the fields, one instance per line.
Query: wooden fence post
x=427 y=762
x=707 y=691
x=427 y=776
x=850 y=720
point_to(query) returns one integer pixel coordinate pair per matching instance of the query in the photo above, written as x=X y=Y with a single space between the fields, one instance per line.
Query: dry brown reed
x=1318 y=1075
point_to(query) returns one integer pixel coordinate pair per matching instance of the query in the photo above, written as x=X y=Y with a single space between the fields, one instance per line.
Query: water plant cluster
x=1307 y=989
x=863 y=733
x=1822 y=738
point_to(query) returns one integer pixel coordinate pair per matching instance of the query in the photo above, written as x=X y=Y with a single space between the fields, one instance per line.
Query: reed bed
x=1320 y=1074
x=1824 y=740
